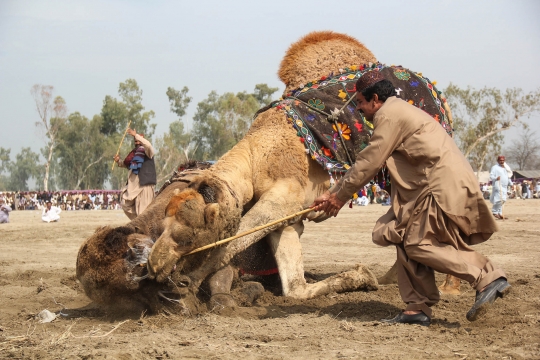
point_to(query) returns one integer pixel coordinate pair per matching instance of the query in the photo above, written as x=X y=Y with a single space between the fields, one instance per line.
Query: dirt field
x=37 y=271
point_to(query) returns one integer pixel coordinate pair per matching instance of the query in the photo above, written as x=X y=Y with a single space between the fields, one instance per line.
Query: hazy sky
x=86 y=48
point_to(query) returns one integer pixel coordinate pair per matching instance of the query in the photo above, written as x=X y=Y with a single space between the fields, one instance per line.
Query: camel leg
x=451 y=285
x=390 y=277
x=220 y=284
x=285 y=244
x=274 y=204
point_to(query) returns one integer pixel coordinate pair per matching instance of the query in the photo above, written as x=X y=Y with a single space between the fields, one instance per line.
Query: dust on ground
x=37 y=272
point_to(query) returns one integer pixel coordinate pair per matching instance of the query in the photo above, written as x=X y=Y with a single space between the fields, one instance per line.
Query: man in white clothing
x=4 y=211
x=50 y=213
x=500 y=181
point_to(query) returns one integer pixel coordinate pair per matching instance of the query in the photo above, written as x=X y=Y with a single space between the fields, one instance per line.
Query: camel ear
x=211 y=212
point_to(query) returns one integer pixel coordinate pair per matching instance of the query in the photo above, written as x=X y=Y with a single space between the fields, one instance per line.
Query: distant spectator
x=50 y=213
x=500 y=181
x=4 y=211
x=525 y=189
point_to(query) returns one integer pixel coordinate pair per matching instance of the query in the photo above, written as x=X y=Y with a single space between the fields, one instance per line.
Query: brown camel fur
x=105 y=260
x=106 y=263
x=319 y=53
x=267 y=176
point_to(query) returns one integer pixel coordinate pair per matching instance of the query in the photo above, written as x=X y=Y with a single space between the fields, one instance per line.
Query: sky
x=85 y=49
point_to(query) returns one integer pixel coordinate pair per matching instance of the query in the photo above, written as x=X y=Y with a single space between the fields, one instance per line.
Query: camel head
x=194 y=217
x=108 y=268
x=318 y=54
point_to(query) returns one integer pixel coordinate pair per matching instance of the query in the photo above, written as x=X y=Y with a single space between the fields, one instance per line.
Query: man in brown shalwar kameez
x=138 y=192
x=437 y=208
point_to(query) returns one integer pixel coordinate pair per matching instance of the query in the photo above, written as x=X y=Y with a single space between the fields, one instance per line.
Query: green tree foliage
x=222 y=120
x=480 y=116
x=175 y=146
x=82 y=151
x=25 y=166
x=178 y=100
x=115 y=116
x=263 y=93
x=4 y=168
x=132 y=97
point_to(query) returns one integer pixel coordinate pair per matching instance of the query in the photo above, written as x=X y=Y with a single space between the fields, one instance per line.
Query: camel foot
x=222 y=304
x=451 y=286
x=252 y=290
x=360 y=278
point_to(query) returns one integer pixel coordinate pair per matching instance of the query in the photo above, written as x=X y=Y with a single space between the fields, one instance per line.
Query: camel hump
x=320 y=53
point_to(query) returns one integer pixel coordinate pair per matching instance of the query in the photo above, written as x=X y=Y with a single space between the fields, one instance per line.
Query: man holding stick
x=138 y=192
x=437 y=210
x=500 y=181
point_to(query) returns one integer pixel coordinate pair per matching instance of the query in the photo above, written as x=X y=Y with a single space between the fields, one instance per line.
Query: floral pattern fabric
x=330 y=142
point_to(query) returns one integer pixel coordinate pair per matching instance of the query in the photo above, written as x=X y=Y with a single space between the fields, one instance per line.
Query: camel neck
x=235 y=170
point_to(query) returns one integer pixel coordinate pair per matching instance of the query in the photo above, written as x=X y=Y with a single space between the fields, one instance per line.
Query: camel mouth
x=135 y=261
x=176 y=291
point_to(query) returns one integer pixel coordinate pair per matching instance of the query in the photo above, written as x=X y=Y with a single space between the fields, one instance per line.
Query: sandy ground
x=37 y=271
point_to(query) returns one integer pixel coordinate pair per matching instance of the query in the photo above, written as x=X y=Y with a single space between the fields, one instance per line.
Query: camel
x=108 y=262
x=265 y=177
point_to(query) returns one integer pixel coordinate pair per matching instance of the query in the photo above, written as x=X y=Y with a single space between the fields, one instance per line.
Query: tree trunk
x=47 y=166
x=84 y=172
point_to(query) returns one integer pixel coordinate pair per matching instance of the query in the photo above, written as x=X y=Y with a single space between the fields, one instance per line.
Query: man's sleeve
x=148 y=148
x=493 y=174
x=385 y=139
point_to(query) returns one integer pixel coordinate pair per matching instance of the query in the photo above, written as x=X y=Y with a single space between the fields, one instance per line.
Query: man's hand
x=131 y=132
x=116 y=158
x=498 y=178
x=329 y=203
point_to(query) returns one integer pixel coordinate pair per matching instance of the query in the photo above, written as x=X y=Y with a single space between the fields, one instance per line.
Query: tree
x=480 y=116
x=132 y=97
x=525 y=151
x=222 y=121
x=263 y=93
x=25 y=167
x=82 y=149
x=179 y=100
x=176 y=145
x=4 y=168
x=115 y=116
x=52 y=114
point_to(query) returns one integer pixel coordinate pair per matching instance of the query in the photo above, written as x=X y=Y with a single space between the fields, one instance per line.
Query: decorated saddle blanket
x=333 y=132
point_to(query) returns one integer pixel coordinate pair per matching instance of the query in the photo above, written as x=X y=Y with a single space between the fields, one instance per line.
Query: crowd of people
x=133 y=198
x=526 y=189
x=64 y=200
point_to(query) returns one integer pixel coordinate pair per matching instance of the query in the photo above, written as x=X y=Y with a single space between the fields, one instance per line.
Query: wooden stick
x=248 y=232
x=119 y=146
x=501 y=195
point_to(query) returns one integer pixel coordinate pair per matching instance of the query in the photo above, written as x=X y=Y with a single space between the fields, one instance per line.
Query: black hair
x=384 y=89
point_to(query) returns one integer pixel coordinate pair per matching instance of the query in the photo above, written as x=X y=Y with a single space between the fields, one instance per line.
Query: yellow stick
x=119 y=146
x=248 y=232
x=502 y=202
